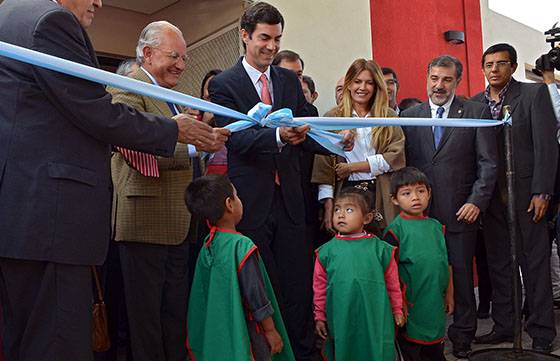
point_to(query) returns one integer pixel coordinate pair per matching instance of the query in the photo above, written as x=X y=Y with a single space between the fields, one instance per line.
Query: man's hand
x=199 y=134
x=327 y=224
x=343 y=170
x=548 y=76
x=348 y=140
x=540 y=206
x=321 y=329
x=274 y=341
x=468 y=213
x=294 y=135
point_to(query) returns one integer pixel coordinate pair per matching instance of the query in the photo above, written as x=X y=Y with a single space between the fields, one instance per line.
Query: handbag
x=100 y=333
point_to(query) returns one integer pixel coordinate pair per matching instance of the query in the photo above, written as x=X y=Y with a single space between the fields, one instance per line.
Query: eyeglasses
x=173 y=55
x=500 y=64
x=389 y=82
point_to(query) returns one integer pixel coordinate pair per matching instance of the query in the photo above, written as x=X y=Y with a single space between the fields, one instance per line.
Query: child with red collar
x=423 y=268
x=233 y=313
x=357 y=297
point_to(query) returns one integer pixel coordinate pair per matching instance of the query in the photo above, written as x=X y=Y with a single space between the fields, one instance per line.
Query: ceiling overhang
x=147 y=7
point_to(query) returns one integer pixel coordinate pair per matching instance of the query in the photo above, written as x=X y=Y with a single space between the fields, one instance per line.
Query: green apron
x=216 y=325
x=424 y=272
x=359 y=315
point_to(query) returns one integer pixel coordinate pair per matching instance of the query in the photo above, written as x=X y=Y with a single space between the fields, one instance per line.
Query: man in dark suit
x=55 y=184
x=264 y=166
x=535 y=160
x=461 y=164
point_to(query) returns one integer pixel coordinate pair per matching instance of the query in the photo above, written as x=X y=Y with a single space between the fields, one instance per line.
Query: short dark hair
x=447 y=61
x=363 y=197
x=407 y=176
x=208 y=75
x=206 y=196
x=260 y=13
x=310 y=83
x=496 y=48
x=386 y=70
x=287 y=55
x=409 y=103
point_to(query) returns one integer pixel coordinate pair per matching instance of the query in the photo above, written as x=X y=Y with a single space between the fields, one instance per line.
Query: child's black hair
x=361 y=195
x=206 y=196
x=407 y=176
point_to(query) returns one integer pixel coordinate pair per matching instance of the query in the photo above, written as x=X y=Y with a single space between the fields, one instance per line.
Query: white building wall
x=528 y=42
x=329 y=35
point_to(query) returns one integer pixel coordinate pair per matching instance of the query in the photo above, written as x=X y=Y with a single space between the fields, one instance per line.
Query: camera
x=551 y=60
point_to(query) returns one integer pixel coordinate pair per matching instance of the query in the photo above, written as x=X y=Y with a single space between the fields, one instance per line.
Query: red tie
x=144 y=163
x=265 y=92
x=267 y=99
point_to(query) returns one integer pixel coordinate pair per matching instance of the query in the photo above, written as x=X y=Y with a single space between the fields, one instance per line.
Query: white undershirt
x=363 y=151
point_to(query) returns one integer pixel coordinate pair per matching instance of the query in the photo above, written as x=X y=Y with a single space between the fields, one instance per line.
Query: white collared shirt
x=446 y=107
x=363 y=150
x=255 y=76
x=190 y=148
x=555 y=98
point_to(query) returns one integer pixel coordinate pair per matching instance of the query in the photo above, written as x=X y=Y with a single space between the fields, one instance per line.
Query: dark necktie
x=438 y=131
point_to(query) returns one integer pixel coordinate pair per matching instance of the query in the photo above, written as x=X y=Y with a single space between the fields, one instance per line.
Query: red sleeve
x=319 y=291
x=393 y=286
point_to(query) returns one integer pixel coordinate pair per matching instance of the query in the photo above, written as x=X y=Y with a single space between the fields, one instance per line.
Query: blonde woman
x=377 y=150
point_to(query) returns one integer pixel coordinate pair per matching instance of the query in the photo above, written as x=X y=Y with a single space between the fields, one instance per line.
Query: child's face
x=348 y=217
x=412 y=199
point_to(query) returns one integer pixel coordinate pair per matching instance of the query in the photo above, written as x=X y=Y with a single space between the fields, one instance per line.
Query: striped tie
x=144 y=163
x=267 y=99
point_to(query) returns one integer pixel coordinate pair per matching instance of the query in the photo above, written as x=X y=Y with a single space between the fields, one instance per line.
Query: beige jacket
x=147 y=209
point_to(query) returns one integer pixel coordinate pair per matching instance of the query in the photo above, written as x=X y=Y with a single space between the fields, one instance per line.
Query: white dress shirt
x=255 y=76
x=363 y=151
x=555 y=97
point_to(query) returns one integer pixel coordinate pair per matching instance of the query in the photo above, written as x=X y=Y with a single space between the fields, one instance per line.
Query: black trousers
x=288 y=256
x=534 y=260
x=484 y=284
x=47 y=311
x=411 y=351
x=460 y=249
x=155 y=286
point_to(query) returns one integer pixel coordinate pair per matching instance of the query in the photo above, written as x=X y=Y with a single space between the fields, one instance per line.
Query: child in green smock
x=356 y=292
x=233 y=314
x=423 y=268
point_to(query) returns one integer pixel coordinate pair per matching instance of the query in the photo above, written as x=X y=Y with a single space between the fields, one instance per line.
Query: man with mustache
x=264 y=165
x=56 y=133
x=461 y=165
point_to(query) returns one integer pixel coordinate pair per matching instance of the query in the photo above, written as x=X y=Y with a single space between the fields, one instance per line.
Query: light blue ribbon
x=321 y=127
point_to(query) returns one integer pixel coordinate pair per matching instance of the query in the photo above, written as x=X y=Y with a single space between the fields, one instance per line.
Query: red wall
x=407 y=35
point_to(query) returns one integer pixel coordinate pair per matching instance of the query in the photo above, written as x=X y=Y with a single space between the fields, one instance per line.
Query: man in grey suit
x=535 y=158
x=56 y=133
x=461 y=164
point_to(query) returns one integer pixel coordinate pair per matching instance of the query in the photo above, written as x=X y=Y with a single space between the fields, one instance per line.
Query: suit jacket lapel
x=427 y=132
x=278 y=87
x=243 y=81
x=512 y=97
x=90 y=48
x=160 y=105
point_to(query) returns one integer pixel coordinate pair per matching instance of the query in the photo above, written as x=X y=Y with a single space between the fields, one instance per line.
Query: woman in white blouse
x=377 y=150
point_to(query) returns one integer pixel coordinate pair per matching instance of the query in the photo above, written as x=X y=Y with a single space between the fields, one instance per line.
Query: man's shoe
x=461 y=351
x=541 y=345
x=493 y=338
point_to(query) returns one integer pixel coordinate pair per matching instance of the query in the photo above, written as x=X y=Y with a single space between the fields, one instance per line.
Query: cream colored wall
x=116 y=31
x=328 y=35
x=528 y=42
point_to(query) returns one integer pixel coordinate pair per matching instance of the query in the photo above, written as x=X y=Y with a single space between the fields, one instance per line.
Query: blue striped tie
x=438 y=131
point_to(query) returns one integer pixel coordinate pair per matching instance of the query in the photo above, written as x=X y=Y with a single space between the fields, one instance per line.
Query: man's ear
x=147 y=53
x=314 y=96
x=368 y=218
x=514 y=66
x=245 y=36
